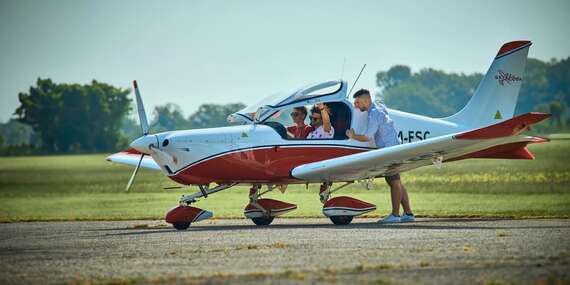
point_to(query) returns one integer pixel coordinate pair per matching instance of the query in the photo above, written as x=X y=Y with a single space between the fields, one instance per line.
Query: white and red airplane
x=259 y=152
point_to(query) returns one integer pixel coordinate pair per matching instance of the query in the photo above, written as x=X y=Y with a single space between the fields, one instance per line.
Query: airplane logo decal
x=508 y=78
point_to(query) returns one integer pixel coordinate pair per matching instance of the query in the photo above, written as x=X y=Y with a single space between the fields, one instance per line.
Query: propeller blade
x=140 y=109
x=134 y=174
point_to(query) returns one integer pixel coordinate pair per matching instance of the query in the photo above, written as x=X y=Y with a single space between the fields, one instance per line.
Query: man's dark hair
x=361 y=92
x=303 y=110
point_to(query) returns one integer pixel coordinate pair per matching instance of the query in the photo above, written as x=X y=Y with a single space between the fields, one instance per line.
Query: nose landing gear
x=182 y=216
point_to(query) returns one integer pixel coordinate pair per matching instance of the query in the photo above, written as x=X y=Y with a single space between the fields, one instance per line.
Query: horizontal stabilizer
x=506 y=128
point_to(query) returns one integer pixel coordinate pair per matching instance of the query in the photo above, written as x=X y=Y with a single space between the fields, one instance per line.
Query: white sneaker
x=390 y=219
x=408 y=218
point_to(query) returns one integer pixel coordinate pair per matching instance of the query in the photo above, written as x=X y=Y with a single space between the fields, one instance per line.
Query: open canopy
x=329 y=91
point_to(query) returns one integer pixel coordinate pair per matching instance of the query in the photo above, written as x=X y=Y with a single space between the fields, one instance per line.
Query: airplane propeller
x=148 y=143
x=144 y=126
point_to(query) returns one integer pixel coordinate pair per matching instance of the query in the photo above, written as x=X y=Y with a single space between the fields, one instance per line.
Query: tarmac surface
x=290 y=251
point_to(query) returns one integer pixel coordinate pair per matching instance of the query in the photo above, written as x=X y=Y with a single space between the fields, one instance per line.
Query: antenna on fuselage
x=354 y=84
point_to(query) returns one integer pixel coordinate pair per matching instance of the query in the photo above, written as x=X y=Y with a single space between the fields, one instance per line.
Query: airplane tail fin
x=496 y=96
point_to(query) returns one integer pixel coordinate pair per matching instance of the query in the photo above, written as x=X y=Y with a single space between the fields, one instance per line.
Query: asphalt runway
x=290 y=251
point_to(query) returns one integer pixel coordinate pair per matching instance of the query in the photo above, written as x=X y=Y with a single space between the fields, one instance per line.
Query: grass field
x=86 y=187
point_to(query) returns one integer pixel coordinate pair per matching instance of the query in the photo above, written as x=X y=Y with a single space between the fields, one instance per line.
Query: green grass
x=86 y=187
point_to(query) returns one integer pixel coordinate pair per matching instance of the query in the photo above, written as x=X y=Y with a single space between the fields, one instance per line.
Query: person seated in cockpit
x=321 y=122
x=300 y=130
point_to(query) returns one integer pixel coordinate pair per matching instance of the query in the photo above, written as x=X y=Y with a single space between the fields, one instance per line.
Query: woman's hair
x=303 y=110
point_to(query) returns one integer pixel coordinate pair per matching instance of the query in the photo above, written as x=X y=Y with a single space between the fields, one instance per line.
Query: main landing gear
x=341 y=210
x=263 y=211
x=182 y=216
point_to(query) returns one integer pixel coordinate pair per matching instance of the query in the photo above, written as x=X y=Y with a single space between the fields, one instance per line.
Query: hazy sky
x=195 y=52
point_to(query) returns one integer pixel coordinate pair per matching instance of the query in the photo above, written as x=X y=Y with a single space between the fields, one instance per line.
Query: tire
x=341 y=220
x=262 y=221
x=181 y=226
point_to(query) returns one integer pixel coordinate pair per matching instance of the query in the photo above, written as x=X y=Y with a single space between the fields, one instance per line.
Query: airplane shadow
x=432 y=224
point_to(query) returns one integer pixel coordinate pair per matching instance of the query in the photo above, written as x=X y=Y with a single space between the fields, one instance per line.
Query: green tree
x=557 y=108
x=16 y=133
x=73 y=117
x=428 y=92
x=394 y=76
x=213 y=115
x=168 y=117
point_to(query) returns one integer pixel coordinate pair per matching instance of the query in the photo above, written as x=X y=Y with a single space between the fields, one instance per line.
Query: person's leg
x=396 y=195
x=405 y=200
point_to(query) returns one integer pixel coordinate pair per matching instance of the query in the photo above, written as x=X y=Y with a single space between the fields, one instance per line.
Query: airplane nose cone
x=142 y=144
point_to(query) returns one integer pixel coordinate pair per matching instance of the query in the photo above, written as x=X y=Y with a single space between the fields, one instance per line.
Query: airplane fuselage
x=256 y=153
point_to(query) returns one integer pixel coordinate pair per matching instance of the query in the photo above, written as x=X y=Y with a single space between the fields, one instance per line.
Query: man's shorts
x=392 y=178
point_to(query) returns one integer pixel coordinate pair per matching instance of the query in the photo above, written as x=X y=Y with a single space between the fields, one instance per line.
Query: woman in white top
x=321 y=121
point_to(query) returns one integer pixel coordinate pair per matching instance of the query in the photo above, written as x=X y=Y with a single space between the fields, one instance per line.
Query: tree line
x=434 y=93
x=73 y=118
x=97 y=117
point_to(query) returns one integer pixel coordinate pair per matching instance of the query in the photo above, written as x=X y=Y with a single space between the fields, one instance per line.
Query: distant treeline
x=72 y=118
x=434 y=93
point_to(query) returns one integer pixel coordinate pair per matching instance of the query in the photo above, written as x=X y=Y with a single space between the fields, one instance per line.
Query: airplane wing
x=131 y=157
x=500 y=140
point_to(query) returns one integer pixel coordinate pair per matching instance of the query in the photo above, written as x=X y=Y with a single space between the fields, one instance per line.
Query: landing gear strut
x=263 y=211
x=341 y=210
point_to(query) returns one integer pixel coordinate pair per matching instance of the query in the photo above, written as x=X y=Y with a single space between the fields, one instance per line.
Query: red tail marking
x=511 y=46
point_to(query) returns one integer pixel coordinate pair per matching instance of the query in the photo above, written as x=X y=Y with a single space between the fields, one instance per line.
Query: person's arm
x=371 y=127
x=325 y=116
x=362 y=138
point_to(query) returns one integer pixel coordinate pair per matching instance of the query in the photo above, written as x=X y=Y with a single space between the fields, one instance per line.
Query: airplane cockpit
x=275 y=110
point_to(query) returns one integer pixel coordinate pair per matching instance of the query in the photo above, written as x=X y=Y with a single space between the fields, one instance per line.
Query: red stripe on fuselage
x=261 y=165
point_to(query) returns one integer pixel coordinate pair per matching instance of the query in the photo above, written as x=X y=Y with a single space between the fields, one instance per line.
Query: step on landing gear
x=341 y=210
x=263 y=211
x=182 y=216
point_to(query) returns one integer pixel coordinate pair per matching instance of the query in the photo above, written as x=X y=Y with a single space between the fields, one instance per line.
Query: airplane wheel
x=341 y=220
x=181 y=226
x=262 y=221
